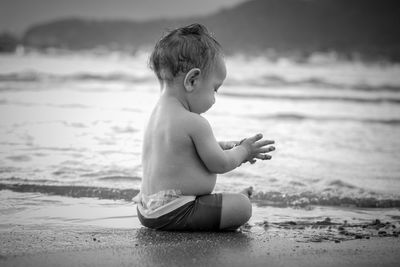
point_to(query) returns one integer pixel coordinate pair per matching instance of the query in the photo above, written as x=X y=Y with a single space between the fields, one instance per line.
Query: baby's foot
x=247 y=191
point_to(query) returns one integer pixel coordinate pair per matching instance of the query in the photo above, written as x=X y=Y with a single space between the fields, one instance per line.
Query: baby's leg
x=236 y=210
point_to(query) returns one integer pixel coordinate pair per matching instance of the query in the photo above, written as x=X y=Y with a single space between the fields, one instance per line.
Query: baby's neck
x=175 y=94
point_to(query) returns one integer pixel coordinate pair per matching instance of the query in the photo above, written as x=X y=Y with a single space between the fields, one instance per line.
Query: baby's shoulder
x=179 y=120
x=194 y=119
x=195 y=123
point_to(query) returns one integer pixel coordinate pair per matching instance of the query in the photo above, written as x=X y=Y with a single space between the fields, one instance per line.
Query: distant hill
x=8 y=42
x=367 y=27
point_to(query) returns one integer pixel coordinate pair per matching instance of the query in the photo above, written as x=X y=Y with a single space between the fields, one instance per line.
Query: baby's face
x=204 y=95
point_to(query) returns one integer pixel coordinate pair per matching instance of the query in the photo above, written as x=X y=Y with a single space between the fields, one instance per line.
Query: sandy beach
x=88 y=246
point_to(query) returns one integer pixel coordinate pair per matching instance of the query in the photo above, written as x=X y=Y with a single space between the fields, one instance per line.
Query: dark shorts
x=202 y=214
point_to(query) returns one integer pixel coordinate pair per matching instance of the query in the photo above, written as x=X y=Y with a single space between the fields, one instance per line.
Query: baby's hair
x=183 y=49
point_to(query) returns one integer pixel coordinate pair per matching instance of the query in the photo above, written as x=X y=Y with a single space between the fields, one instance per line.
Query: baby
x=181 y=157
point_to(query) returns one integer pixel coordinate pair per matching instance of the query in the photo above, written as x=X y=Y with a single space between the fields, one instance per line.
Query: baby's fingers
x=263 y=156
x=255 y=138
x=264 y=143
x=252 y=161
x=266 y=149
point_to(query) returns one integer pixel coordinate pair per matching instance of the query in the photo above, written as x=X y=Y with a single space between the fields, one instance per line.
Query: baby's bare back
x=169 y=157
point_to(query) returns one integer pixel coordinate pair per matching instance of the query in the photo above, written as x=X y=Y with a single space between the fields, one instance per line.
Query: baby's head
x=183 y=49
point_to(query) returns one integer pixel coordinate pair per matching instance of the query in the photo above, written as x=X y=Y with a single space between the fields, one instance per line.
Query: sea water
x=71 y=129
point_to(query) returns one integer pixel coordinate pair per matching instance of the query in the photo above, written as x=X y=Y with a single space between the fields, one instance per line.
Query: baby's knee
x=241 y=207
x=236 y=210
x=245 y=207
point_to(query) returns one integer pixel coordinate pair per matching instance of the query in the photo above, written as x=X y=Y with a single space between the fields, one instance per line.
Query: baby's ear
x=191 y=79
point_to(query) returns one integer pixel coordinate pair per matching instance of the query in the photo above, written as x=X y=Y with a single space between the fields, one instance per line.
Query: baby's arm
x=220 y=161
x=225 y=145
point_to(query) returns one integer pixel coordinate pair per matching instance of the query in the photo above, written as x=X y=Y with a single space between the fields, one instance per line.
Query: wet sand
x=86 y=246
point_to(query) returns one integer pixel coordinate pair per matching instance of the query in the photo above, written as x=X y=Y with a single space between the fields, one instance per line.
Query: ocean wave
x=265 y=95
x=8 y=169
x=72 y=191
x=111 y=174
x=120 y=178
x=314 y=82
x=19 y=158
x=259 y=198
x=40 y=77
x=30 y=104
x=268 y=81
x=18 y=180
x=299 y=117
x=309 y=198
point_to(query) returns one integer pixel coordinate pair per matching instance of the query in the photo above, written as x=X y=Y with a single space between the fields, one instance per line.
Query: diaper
x=171 y=211
x=162 y=202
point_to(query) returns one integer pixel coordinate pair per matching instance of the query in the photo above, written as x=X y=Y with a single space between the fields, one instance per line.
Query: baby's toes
x=248 y=191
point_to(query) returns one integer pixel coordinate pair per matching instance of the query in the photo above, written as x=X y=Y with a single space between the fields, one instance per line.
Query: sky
x=17 y=15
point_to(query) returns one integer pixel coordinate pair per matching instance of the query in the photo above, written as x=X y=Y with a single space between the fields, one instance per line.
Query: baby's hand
x=257 y=148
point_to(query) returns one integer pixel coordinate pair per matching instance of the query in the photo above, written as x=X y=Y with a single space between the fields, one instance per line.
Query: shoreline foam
x=269 y=198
